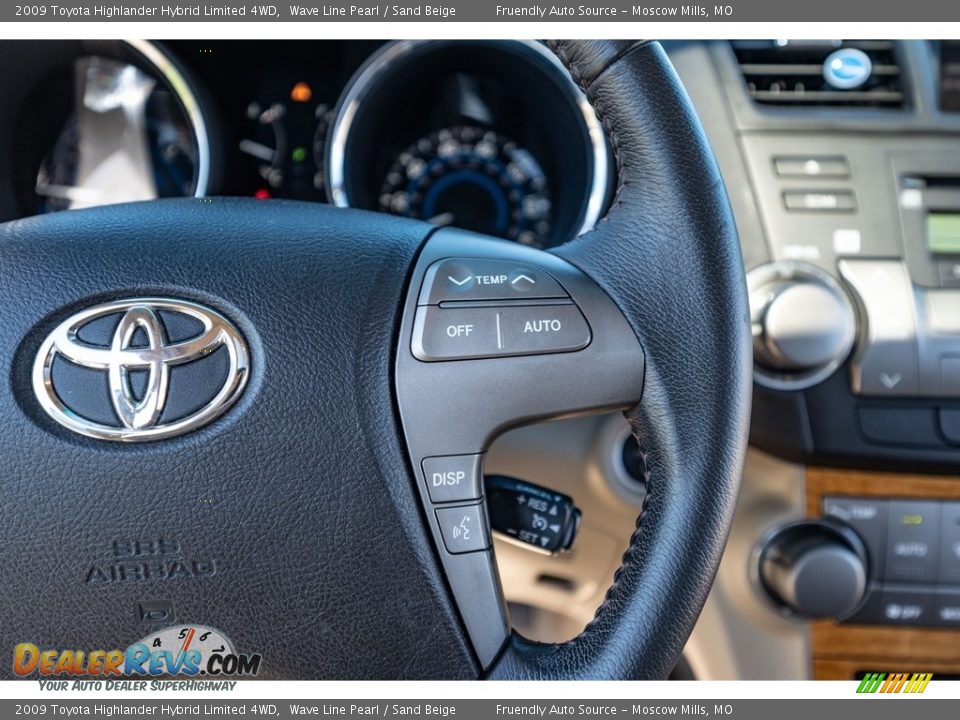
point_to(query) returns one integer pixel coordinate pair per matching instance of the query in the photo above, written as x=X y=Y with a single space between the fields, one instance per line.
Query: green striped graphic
x=871 y=682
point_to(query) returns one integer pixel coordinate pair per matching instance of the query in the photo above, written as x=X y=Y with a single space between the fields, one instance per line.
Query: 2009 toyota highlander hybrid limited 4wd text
x=460 y=359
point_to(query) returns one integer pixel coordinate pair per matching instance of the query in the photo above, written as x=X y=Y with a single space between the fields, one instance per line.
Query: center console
x=848 y=207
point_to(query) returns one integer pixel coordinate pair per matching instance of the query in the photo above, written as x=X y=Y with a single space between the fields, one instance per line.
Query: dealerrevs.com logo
x=192 y=650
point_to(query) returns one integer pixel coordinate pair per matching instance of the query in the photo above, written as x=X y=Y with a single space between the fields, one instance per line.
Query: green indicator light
x=299 y=154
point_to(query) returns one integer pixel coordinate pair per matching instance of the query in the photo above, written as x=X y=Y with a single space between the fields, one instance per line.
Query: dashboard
x=841 y=160
x=492 y=137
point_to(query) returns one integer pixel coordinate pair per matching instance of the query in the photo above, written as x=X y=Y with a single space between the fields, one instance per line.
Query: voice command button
x=464 y=528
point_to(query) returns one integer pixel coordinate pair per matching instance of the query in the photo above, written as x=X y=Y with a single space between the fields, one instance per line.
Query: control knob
x=814 y=569
x=803 y=324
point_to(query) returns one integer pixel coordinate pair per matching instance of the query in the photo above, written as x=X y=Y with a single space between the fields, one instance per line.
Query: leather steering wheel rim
x=668 y=253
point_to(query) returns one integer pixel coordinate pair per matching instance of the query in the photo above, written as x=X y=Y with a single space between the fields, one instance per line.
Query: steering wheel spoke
x=494 y=335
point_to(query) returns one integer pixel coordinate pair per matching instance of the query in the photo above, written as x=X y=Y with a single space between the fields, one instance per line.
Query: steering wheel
x=268 y=419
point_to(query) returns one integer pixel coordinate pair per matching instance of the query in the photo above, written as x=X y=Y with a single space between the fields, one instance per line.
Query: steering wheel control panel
x=888 y=562
x=494 y=335
x=488 y=308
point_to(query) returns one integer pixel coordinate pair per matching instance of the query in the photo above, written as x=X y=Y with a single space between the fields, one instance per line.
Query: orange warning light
x=301 y=93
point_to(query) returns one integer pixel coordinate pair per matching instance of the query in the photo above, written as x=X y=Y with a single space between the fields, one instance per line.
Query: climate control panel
x=913 y=550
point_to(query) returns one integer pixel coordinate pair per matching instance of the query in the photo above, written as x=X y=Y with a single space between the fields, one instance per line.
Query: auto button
x=913 y=541
x=528 y=329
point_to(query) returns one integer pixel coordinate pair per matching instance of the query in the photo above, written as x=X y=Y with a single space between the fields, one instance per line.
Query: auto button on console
x=913 y=541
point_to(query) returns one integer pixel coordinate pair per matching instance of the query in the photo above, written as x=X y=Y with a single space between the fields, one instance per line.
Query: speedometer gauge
x=474 y=179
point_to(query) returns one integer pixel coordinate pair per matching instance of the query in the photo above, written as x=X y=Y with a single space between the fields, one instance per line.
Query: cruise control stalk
x=531 y=514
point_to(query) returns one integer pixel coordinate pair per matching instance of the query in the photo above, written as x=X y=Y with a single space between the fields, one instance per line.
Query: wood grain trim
x=848 y=669
x=841 y=650
x=883 y=643
x=824 y=481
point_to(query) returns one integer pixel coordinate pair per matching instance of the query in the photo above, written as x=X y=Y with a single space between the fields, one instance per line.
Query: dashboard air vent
x=832 y=73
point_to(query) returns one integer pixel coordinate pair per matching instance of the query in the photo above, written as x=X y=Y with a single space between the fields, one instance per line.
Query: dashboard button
x=475 y=279
x=886 y=361
x=949 y=272
x=456 y=333
x=907 y=606
x=464 y=528
x=905 y=427
x=950 y=543
x=950 y=425
x=946 y=607
x=869 y=519
x=913 y=541
x=820 y=200
x=943 y=311
x=453 y=478
x=812 y=167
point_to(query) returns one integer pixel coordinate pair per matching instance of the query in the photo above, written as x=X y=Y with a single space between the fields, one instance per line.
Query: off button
x=456 y=333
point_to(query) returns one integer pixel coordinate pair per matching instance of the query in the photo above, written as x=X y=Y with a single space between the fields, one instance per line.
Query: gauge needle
x=442 y=220
x=257 y=150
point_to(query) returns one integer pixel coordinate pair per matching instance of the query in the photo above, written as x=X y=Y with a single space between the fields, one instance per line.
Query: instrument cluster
x=488 y=136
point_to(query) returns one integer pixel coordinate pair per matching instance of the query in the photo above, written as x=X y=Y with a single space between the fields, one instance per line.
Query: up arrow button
x=486 y=279
x=521 y=281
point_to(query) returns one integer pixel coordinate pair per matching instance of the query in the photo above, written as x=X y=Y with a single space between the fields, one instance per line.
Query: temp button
x=457 y=279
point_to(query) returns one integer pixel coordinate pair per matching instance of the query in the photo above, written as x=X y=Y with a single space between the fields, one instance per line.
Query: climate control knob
x=803 y=324
x=814 y=569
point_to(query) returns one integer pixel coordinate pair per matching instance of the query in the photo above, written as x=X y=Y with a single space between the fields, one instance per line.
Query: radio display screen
x=943 y=233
